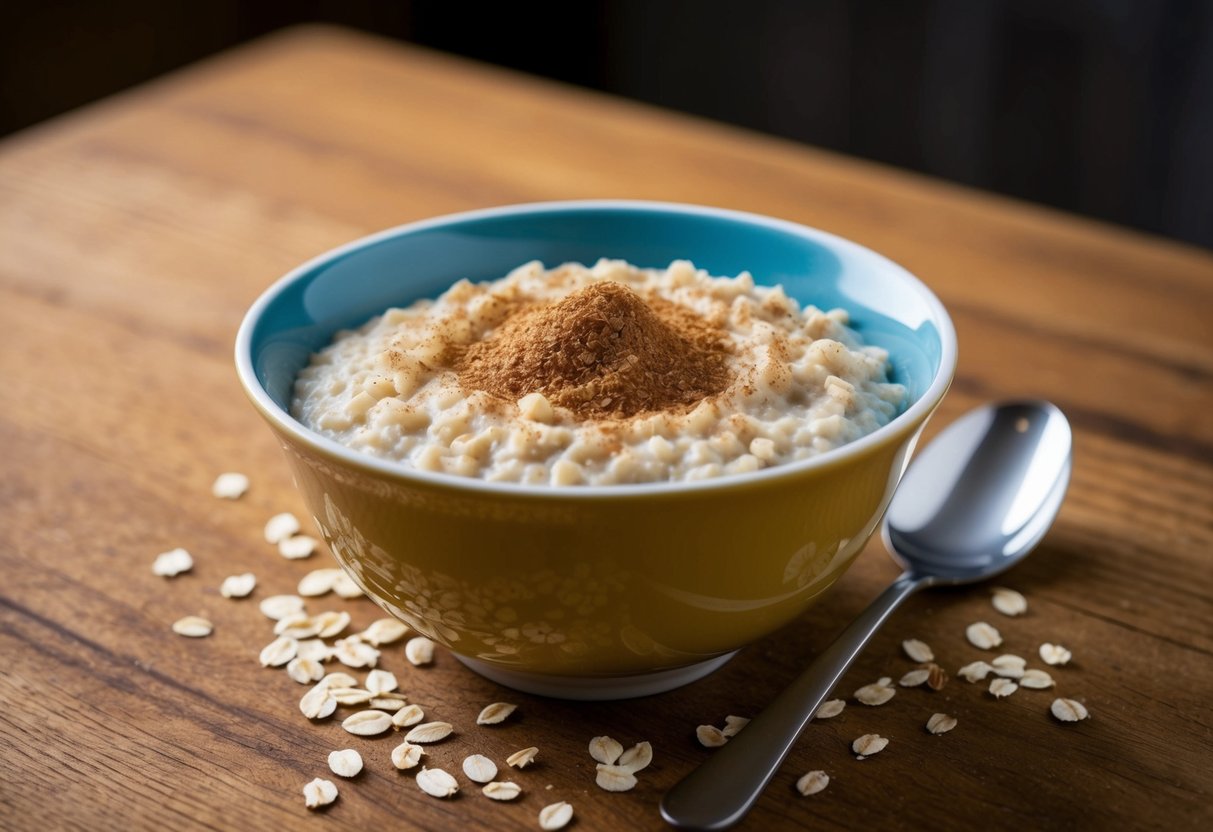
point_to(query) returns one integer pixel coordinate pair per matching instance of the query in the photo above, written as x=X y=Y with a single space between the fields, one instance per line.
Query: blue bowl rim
x=286 y=423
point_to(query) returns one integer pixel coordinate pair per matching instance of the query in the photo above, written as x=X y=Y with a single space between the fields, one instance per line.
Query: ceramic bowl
x=608 y=591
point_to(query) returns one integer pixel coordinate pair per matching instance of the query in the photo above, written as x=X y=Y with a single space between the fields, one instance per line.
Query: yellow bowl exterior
x=565 y=584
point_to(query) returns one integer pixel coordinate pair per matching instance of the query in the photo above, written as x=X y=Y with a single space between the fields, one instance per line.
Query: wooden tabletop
x=134 y=234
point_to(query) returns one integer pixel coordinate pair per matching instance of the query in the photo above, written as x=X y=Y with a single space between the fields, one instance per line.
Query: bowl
x=609 y=591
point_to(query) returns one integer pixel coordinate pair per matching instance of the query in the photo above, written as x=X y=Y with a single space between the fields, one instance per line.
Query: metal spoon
x=974 y=503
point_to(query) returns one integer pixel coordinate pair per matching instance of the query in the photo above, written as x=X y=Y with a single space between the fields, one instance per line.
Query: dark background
x=1102 y=107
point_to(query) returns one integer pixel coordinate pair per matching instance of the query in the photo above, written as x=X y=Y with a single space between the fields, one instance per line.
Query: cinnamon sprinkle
x=603 y=352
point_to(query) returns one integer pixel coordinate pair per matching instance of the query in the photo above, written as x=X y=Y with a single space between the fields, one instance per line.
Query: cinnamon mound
x=602 y=352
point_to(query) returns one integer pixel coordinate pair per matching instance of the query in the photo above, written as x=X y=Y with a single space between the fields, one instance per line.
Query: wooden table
x=133 y=235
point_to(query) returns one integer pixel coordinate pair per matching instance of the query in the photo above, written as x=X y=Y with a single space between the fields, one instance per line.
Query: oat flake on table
x=502 y=790
x=1002 y=688
x=408 y=716
x=367 y=723
x=614 y=778
x=495 y=713
x=917 y=650
x=829 y=709
x=281 y=526
x=436 y=782
x=297 y=547
x=429 y=732
x=869 y=744
x=193 y=626
x=479 y=768
x=278 y=607
x=1008 y=601
x=983 y=635
x=555 y=816
x=1054 y=654
x=172 y=563
x=710 y=736
x=319 y=792
x=419 y=651
x=230 y=486
x=523 y=758
x=1036 y=679
x=605 y=749
x=406 y=755
x=238 y=586
x=1068 y=710
x=345 y=763
x=637 y=757
x=812 y=783
x=941 y=723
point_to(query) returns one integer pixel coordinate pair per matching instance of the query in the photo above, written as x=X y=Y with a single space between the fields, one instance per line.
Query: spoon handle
x=719 y=793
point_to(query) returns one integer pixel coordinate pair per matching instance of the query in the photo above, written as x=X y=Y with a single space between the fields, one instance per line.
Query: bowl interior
x=349 y=285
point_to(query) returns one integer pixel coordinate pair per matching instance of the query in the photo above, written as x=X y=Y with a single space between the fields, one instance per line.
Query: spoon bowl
x=975 y=502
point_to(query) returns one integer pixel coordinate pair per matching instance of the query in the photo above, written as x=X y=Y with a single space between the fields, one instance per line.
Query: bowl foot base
x=595 y=688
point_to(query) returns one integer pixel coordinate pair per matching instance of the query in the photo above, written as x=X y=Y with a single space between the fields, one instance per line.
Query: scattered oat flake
x=331 y=623
x=318 y=582
x=937 y=677
x=407 y=755
x=345 y=763
x=381 y=681
x=384 y=631
x=345 y=587
x=354 y=653
x=172 y=563
x=280 y=527
x=941 y=723
x=495 y=713
x=318 y=703
x=305 y=671
x=238 y=586
x=555 y=816
x=523 y=758
x=975 y=671
x=407 y=716
x=297 y=626
x=869 y=744
x=830 y=709
x=314 y=649
x=336 y=679
x=876 y=694
x=193 y=626
x=812 y=783
x=436 y=782
x=605 y=749
x=384 y=703
x=733 y=725
x=419 y=650
x=637 y=757
x=1067 y=710
x=502 y=790
x=279 y=651
x=319 y=793
x=1054 y=654
x=710 y=736
x=917 y=650
x=297 y=547
x=479 y=768
x=1008 y=601
x=1036 y=679
x=278 y=607
x=614 y=778
x=1001 y=688
x=367 y=723
x=429 y=732
x=914 y=678
x=351 y=696
x=983 y=636
x=230 y=486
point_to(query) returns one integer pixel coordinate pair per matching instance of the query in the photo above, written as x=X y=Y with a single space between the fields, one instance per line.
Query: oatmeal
x=599 y=375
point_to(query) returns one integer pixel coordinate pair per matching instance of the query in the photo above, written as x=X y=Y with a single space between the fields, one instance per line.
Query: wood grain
x=134 y=233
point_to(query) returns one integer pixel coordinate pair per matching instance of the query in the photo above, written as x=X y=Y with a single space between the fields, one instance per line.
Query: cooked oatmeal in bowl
x=597 y=481
x=599 y=375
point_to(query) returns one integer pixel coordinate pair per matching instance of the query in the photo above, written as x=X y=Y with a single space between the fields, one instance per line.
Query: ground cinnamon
x=602 y=352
